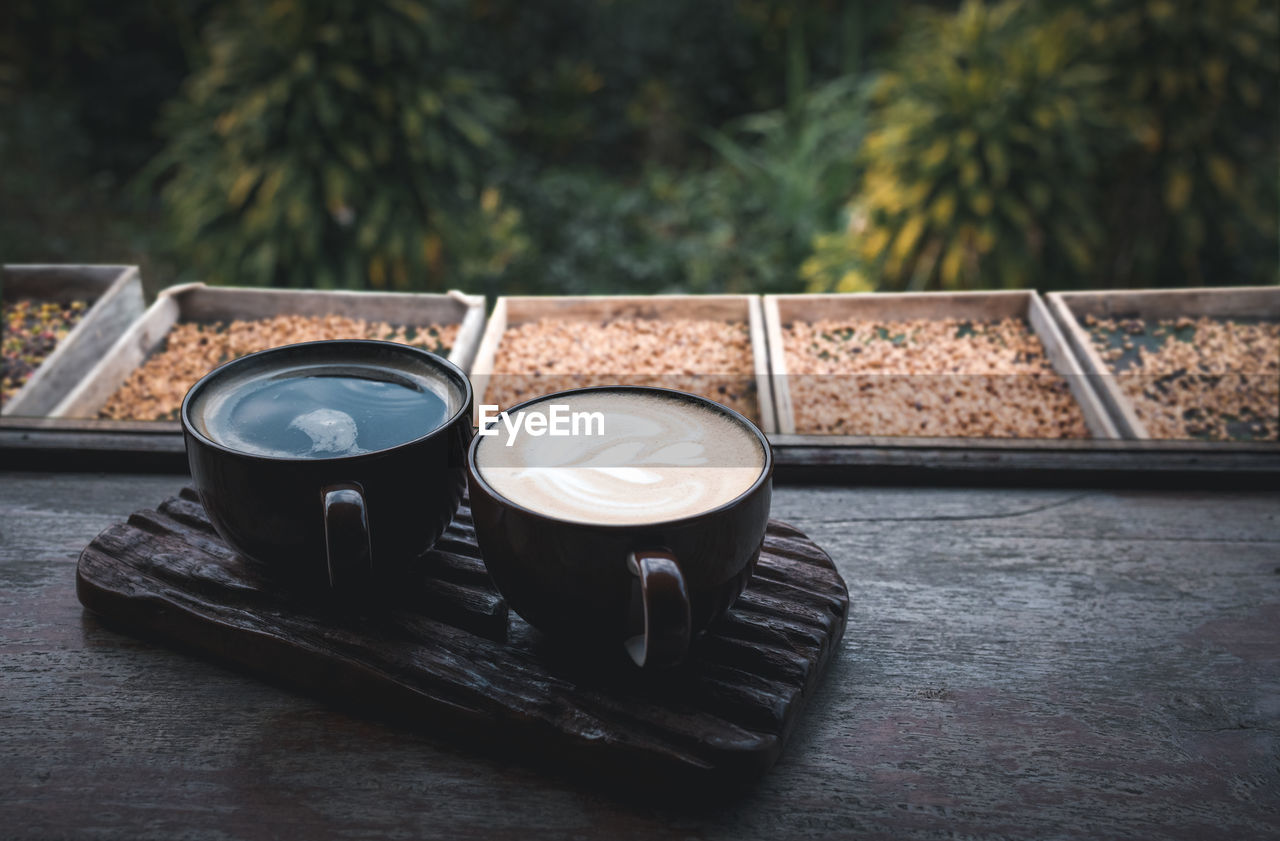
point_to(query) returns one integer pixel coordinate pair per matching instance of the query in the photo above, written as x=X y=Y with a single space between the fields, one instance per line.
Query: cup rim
x=766 y=470
x=448 y=367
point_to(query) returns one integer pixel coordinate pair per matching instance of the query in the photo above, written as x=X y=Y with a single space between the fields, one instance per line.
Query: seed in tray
x=1217 y=379
x=32 y=330
x=707 y=357
x=155 y=390
x=931 y=377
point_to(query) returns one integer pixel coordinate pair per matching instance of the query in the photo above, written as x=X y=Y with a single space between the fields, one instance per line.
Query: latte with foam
x=654 y=457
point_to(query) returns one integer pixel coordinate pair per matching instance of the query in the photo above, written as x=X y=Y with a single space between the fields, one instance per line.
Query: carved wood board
x=446 y=655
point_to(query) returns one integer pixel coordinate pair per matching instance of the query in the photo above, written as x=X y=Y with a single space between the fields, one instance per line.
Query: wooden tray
x=782 y=310
x=201 y=304
x=447 y=655
x=511 y=311
x=115 y=296
x=1070 y=309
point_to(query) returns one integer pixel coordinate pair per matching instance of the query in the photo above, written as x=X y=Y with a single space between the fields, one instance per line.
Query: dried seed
x=154 y=391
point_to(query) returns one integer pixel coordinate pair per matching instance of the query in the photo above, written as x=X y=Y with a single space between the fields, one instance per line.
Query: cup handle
x=665 y=605
x=346 y=536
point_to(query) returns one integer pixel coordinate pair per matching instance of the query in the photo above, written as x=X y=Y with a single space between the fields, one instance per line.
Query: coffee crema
x=659 y=458
x=321 y=410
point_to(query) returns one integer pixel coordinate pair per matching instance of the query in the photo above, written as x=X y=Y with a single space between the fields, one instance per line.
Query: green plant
x=980 y=159
x=1192 y=199
x=783 y=176
x=743 y=224
x=621 y=86
x=335 y=143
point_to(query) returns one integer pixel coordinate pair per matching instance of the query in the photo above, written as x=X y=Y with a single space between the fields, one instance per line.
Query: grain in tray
x=154 y=391
x=1210 y=378
x=927 y=377
x=31 y=331
x=708 y=357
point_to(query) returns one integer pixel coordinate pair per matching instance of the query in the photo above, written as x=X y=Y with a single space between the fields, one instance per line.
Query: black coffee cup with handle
x=640 y=526
x=335 y=464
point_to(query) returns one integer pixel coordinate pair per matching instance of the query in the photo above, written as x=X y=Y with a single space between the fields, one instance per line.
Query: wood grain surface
x=1018 y=664
x=442 y=650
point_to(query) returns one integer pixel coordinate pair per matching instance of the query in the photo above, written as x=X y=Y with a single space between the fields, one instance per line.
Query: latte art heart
x=658 y=458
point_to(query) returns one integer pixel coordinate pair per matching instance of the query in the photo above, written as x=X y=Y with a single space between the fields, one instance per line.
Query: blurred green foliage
x=106 y=68
x=621 y=85
x=1192 y=199
x=80 y=88
x=981 y=160
x=54 y=206
x=596 y=146
x=1111 y=143
x=686 y=136
x=743 y=225
x=333 y=143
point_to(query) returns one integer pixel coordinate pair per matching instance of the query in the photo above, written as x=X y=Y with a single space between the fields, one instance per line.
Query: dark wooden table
x=1018 y=663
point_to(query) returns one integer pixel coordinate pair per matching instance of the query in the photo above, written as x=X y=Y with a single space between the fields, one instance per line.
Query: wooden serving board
x=448 y=656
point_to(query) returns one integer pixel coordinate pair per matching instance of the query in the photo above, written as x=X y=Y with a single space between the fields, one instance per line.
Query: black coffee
x=322 y=411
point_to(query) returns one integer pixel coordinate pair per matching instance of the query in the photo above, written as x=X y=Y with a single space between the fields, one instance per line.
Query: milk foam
x=330 y=431
x=660 y=458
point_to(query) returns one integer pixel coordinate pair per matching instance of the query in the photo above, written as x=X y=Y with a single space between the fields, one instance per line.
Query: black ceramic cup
x=338 y=523
x=649 y=586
